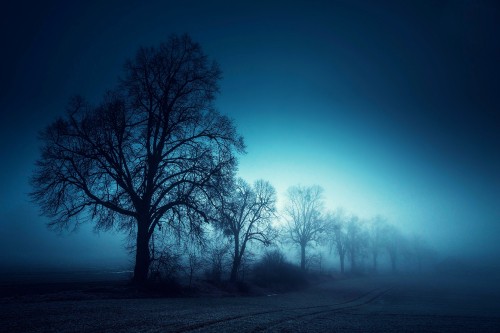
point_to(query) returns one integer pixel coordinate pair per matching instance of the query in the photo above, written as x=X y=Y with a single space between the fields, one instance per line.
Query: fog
x=257 y=166
x=28 y=246
x=390 y=108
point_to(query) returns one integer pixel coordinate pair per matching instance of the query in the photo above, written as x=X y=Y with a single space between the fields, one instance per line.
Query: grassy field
x=380 y=304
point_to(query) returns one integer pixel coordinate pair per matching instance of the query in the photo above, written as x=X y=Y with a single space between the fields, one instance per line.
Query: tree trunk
x=234 y=269
x=236 y=260
x=142 y=255
x=303 y=257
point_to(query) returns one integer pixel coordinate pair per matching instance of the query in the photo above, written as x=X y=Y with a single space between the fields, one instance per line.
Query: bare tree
x=217 y=253
x=193 y=260
x=337 y=235
x=355 y=241
x=393 y=243
x=304 y=220
x=166 y=257
x=246 y=215
x=154 y=151
x=375 y=239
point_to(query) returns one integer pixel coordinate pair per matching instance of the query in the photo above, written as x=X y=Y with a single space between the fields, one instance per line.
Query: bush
x=165 y=266
x=275 y=272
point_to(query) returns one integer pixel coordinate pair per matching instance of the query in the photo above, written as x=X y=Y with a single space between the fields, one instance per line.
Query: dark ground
x=380 y=304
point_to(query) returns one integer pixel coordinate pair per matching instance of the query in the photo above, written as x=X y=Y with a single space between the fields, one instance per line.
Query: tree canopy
x=153 y=151
x=246 y=215
x=304 y=224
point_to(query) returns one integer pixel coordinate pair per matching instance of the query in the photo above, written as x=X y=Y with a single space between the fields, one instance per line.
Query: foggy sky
x=392 y=107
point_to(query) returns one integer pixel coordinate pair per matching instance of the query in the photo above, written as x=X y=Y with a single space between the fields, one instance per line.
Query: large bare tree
x=153 y=152
x=304 y=221
x=246 y=215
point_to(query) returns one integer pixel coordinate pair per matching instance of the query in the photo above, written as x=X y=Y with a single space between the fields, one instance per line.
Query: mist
x=337 y=100
x=31 y=252
x=350 y=154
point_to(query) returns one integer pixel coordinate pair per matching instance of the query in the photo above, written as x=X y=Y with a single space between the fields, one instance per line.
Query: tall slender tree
x=393 y=241
x=304 y=217
x=246 y=215
x=337 y=235
x=355 y=240
x=375 y=239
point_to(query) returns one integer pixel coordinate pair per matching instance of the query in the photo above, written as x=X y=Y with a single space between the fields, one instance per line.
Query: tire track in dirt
x=363 y=299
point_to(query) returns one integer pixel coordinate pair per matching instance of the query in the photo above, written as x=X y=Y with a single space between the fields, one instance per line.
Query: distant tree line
x=157 y=161
x=361 y=241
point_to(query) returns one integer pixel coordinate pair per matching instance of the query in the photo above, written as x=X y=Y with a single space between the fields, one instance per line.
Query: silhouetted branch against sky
x=153 y=147
x=390 y=106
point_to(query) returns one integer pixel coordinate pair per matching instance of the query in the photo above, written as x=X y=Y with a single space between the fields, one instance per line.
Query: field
x=380 y=304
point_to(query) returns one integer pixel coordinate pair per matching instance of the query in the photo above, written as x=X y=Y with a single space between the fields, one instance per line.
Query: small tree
x=217 y=252
x=193 y=263
x=393 y=243
x=153 y=151
x=355 y=241
x=246 y=215
x=337 y=236
x=375 y=239
x=304 y=221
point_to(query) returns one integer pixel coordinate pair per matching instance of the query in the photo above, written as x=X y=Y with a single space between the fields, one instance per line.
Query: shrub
x=275 y=272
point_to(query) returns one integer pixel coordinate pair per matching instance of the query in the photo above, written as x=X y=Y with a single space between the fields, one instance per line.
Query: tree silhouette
x=393 y=240
x=337 y=235
x=375 y=239
x=356 y=241
x=246 y=215
x=304 y=223
x=154 y=151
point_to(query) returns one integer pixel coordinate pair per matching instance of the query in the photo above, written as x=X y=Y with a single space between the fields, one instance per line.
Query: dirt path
x=368 y=304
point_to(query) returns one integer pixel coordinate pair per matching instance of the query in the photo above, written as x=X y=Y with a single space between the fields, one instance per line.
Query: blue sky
x=392 y=107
